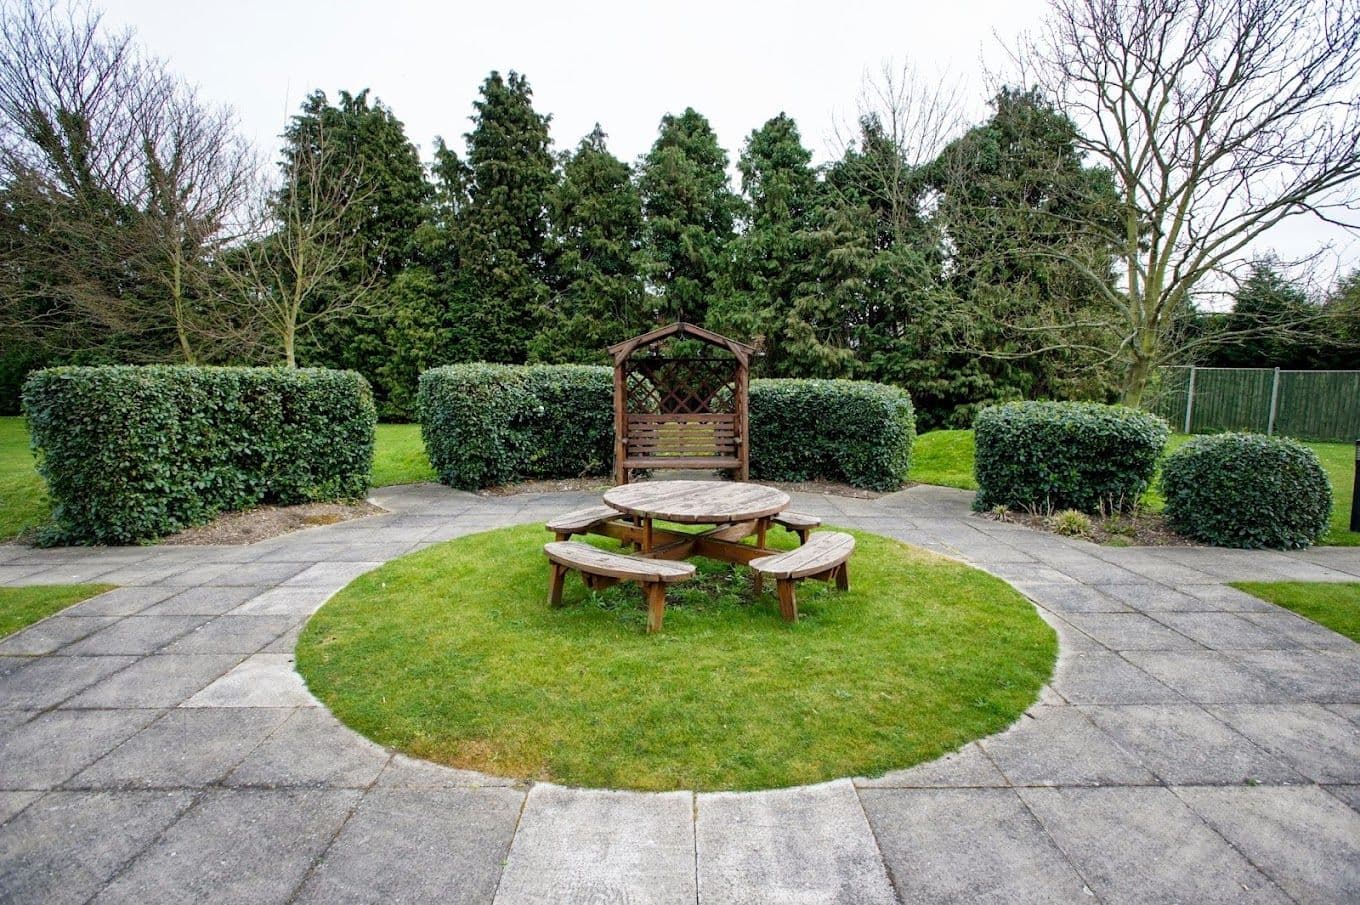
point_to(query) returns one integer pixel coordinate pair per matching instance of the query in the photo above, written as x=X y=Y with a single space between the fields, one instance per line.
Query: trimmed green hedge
x=1050 y=456
x=831 y=430
x=1247 y=490
x=489 y=424
x=133 y=453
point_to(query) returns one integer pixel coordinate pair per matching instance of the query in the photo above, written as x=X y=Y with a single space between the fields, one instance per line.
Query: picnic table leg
x=555 y=584
x=788 y=604
x=762 y=528
x=647 y=535
x=843 y=577
x=656 y=606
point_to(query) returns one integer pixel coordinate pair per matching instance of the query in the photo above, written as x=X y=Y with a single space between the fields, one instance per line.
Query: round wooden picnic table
x=698 y=502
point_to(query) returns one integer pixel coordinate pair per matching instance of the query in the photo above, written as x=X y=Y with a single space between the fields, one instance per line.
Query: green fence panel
x=1319 y=405
x=1310 y=405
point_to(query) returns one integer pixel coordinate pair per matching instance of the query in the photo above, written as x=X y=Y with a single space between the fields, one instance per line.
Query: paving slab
x=1059 y=746
x=261 y=680
x=1131 y=631
x=968 y=846
x=1305 y=840
x=1184 y=744
x=47 y=681
x=1302 y=632
x=1349 y=794
x=967 y=767
x=53 y=633
x=235 y=846
x=160 y=680
x=1142 y=844
x=1324 y=676
x=404 y=772
x=1222 y=598
x=311 y=749
x=285 y=602
x=53 y=746
x=135 y=635
x=330 y=574
x=120 y=602
x=426 y=845
x=12 y=803
x=1151 y=598
x=1108 y=678
x=203 y=601
x=591 y=845
x=1226 y=631
x=232 y=635
x=62 y=849
x=1209 y=677
x=810 y=844
x=1064 y=599
x=184 y=748
x=1316 y=742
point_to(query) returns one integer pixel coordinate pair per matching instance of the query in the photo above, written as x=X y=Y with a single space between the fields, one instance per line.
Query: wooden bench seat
x=599 y=569
x=824 y=557
x=580 y=521
x=798 y=523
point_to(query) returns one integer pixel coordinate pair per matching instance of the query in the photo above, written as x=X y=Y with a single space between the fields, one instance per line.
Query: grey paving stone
x=407 y=845
x=1302 y=632
x=183 y=748
x=1065 y=599
x=287 y=642
x=1349 y=794
x=9 y=664
x=1324 y=676
x=50 y=748
x=1030 y=573
x=1107 y=678
x=18 y=574
x=967 y=846
x=1186 y=744
x=1349 y=711
x=12 y=803
x=809 y=844
x=1097 y=571
x=66 y=845
x=579 y=845
x=1306 y=841
x=232 y=635
x=120 y=602
x=967 y=767
x=160 y=680
x=1220 y=597
x=1142 y=844
x=70 y=573
x=1209 y=677
x=330 y=574
x=1059 y=746
x=1320 y=744
x=260 y=574
x=1131 y=631
x=193 y=576
x=412 y=773
x=53 y=633
x=261 y=680
x=12 y=719
x=47 y=681
x=312 y=749
x=145 y=574
x=1225 y=631
x=235 y=846
x=135 y=635
x=1151 y=598
x=285 y=602
x=203 y=601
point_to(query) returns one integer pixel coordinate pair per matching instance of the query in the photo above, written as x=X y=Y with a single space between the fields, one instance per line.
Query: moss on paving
x=21 y=607
x=453 y=654
x=1333 y=604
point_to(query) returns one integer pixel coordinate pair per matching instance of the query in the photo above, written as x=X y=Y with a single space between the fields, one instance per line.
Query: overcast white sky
x=621 y=63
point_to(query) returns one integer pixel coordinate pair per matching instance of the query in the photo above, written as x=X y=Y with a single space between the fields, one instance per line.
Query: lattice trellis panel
x=681 y=386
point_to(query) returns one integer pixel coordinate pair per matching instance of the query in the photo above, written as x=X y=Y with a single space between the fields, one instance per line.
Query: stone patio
x=1196 y=744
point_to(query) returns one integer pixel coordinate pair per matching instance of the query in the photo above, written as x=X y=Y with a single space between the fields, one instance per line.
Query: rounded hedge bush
x=1247 y=490
x=1049 y=456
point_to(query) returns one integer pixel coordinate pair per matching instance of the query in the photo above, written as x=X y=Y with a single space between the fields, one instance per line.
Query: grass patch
x=21 y=607
x=945 y=457
x=1335 y=605
x=399 y=456
x=452 y=654
x=23 y=495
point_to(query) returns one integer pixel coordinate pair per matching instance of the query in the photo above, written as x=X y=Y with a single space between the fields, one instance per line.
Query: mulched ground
x=1145 y=529
x=253 y=525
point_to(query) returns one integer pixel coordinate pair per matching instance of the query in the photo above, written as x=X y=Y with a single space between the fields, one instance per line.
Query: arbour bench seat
x=824 y=557
x=599 y=569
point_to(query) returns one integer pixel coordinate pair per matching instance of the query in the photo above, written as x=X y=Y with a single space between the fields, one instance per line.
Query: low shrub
x=1247 y=490
x=1049 y=456
x=487 y=424
x=1072 y=523
x=133 y=453
x=831 y=430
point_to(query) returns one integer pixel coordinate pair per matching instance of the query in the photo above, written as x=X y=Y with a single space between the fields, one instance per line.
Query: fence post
x=1355 y=491
x=1274 y=403
x=1189 y=400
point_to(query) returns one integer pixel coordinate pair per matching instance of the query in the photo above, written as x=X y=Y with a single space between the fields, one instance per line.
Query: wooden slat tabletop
x=698 y=502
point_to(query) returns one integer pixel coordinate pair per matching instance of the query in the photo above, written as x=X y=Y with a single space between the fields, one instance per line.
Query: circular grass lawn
x=453 y=654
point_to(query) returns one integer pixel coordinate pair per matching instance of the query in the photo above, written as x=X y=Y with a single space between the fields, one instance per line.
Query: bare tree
x=1220 y=120
x=119 y=185
x=299 y=269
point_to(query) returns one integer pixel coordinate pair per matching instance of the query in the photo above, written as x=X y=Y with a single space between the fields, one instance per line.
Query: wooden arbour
x=683 y=411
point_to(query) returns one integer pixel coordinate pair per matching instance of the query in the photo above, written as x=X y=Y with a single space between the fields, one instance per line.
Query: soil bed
x=253 y=525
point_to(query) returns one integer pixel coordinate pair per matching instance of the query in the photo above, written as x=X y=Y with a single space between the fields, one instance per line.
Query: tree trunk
x=1136 y=380
x=290 y=360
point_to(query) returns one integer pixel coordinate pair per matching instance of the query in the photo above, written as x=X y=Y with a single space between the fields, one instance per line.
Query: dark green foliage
x=133 y=453
x=502 y=229
x=1247 y=490
x=597 y=236
x=690 y=211
x=492 y=424
x=1273 y=324
x=1048 y=456
x=831 y=430
x=487 y=424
